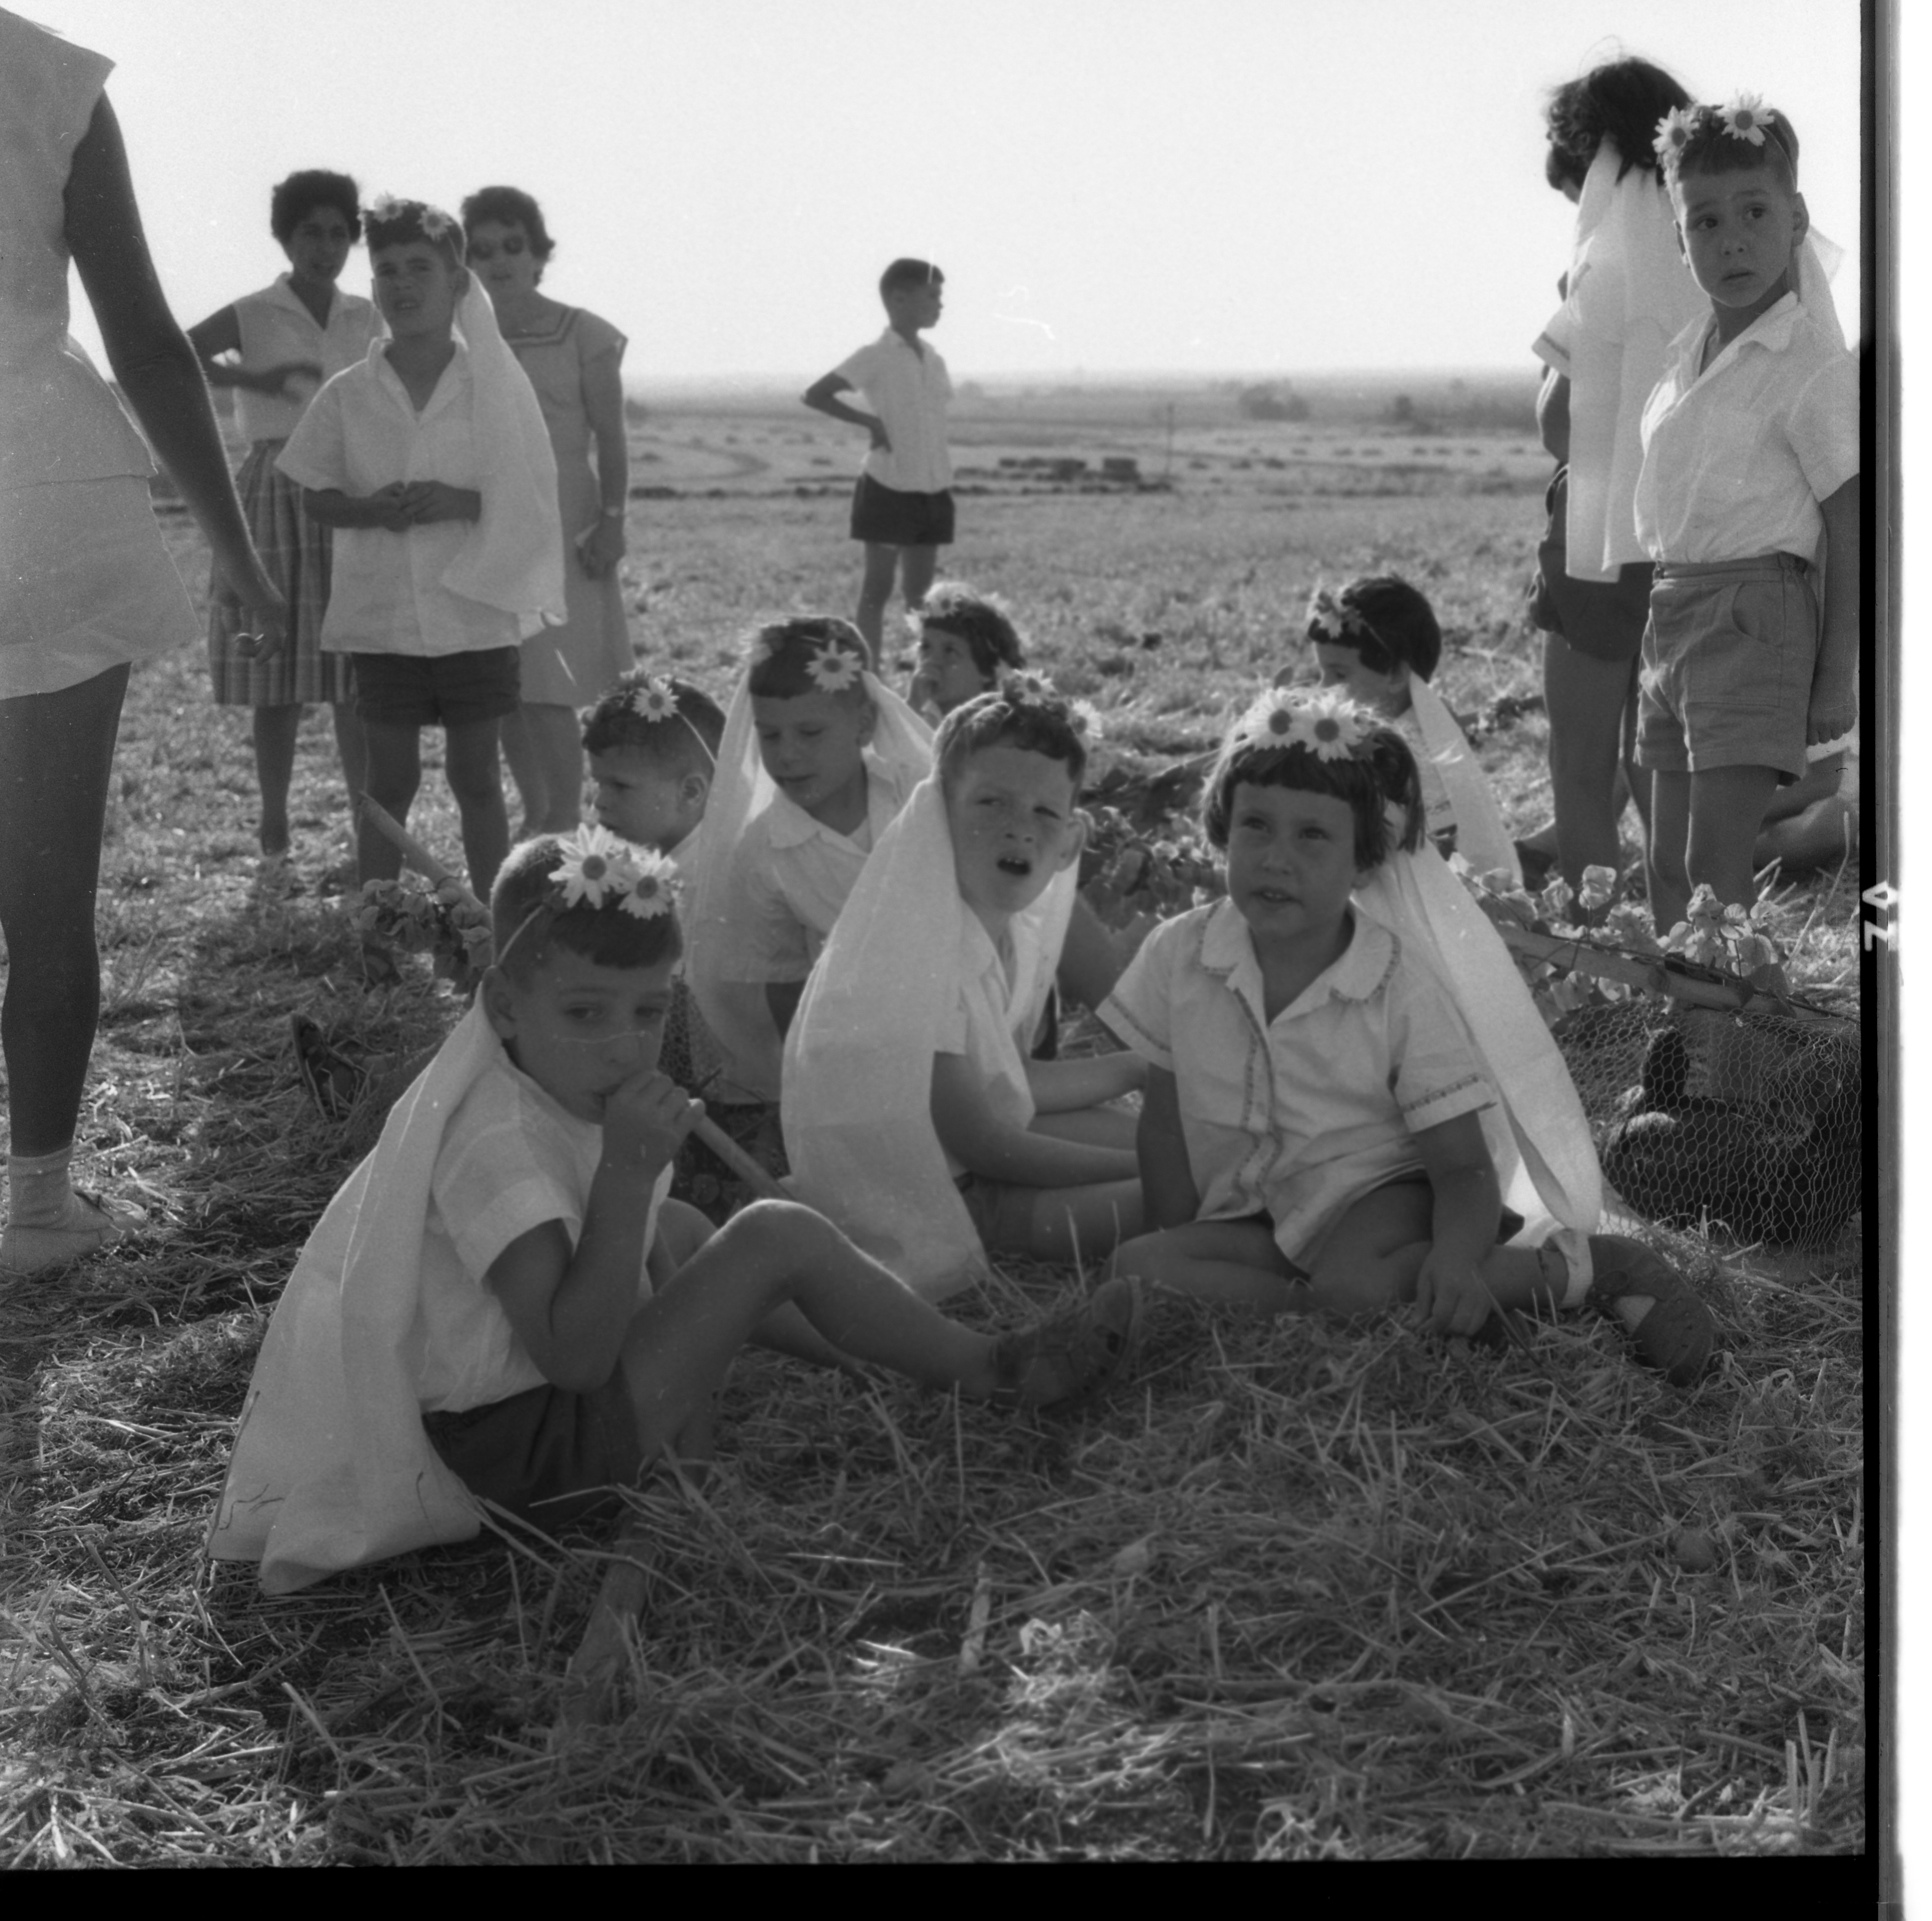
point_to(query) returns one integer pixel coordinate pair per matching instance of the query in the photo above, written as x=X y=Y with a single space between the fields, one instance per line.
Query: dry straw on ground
x=1295 y=1592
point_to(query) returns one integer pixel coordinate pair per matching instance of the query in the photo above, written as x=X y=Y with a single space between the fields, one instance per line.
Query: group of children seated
x=1334 y=1095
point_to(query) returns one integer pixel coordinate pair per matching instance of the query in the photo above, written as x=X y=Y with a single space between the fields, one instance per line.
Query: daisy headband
x=656 y=700
x=435 y=223
x=600 y=872
x=836 y=665
x=1330 y=619
x=1326 y=722
x=1026 y=684
x=1743 y=117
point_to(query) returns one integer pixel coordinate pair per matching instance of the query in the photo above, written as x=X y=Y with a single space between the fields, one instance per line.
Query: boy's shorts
x=1728 y=658
x=547 y=1455
x=438 y=690
x=1604 y=618
x=889 y=516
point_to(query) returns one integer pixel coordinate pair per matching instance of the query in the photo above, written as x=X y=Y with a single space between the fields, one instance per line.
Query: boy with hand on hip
x=1750 y=480
x=500 y=1303
x=902 y=509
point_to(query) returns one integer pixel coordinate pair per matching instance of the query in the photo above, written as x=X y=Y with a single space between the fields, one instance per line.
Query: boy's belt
x=1759 y=564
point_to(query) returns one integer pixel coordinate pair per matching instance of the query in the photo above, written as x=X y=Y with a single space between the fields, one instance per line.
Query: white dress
x=85 y=582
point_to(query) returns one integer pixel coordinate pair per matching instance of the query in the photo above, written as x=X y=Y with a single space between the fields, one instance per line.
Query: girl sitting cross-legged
x=1345 y=1074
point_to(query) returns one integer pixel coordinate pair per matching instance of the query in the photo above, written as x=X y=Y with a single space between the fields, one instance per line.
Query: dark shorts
x=885 y=517
x=1604 y=618
x=547 y=1455
x=438 y=690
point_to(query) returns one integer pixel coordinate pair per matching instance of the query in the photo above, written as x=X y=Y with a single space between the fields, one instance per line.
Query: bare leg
x=274 y=767
x=353 y=750
x=917 y=566
x=1235 y=1263
x=875 y=588
x=542 y=745
x=526 y=772
x=56 y=751
x=1727 y=808
x=1585 y=698
x=395 y=773
x=1066 y=1223
x=1092 y=1127
x=470 y=761
x=1665 y=862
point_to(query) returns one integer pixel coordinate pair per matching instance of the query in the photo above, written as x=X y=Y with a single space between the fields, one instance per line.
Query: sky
x=1203 y=186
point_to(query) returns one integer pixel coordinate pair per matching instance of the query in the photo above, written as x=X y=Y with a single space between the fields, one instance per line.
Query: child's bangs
x=607 y=937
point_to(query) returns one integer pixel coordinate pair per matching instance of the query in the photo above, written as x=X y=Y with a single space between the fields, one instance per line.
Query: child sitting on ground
x=430 y=461
x=1377 y=639
x=652 y=745
x=911 y=1115
x=1750 y=480
x=500 y=1305
x=1326 y=1048
x=818 y=757
x=902 y=507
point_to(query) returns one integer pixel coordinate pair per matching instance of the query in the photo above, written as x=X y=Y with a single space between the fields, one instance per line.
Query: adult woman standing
x=85 y=584
x=573 y=359
x=1626 y=296
x=287 y=340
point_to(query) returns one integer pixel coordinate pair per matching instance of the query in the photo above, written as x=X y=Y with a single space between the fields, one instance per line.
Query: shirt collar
x=791 y=826
x=387 y=375
x=1361 y=971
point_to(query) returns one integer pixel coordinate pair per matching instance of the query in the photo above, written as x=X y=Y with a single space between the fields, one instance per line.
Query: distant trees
x=1267 y=402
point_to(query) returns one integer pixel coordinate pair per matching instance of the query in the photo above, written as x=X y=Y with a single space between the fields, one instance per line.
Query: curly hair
x=603 y=936
x=1621 y=101
x=293 y=200
x=510 y=206
x=1379 y=775
x=982 y=620
x=686 y=737
x=1016 y=713
x=1403 y=630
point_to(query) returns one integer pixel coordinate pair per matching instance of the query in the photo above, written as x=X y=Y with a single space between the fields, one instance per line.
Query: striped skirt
x=294 y=551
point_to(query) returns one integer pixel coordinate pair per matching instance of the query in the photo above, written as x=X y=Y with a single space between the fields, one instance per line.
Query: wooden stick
x=600 y=1655
x=756 y=1178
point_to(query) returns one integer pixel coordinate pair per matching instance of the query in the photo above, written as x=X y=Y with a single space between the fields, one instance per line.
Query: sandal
x=92 y=1224
x=1676 y=1334
x=1072 y=1357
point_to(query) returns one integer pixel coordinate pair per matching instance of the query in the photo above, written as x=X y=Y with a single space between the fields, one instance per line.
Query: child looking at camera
x=1749 y=483
x=429 y=460
x=818 y=755
x=501 y=1305
x=966 y=640
x=1378 y=640
x=902 y=507
x=1324 y=1048
x=912 y=1116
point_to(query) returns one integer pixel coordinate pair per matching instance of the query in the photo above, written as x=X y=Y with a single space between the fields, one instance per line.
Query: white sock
x=37 y=1184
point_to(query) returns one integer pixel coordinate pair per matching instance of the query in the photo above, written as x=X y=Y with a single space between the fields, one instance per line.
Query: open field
x=1294 y=1592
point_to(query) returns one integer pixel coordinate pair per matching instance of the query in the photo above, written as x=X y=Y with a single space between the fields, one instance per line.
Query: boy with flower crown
x=501 y=1305
x=1749 y=483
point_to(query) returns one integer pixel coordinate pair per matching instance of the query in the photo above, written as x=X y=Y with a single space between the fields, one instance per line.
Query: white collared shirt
x=1298 y=1117
x=275 y=327
x=386 y=595
x=908 y=388
x=1737 y=458
x=798 y=873
x=984 y=1026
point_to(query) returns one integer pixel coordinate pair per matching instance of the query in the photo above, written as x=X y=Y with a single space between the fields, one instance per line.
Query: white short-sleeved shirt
x=1298 y=1117
x=908 y=388
x=798 y=873
x=386 y=595
x=511 y=1158
x=1737 y=458
x=276 y=327
x=984 y=1024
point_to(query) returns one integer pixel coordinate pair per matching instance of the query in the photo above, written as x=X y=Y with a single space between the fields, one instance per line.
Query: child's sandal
x=1676 y=1336
x=1072 y=1357
x=91 y=1223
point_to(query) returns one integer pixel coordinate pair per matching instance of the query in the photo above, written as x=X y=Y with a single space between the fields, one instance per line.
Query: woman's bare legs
x=545 y=749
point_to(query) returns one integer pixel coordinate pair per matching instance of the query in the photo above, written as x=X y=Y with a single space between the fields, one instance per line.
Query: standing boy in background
x=902 y=508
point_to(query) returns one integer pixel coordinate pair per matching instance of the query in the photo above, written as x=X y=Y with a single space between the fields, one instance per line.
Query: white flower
x=1086 y=722
x=1327 y=615
x=436 y=223
x=1744 y=116
x=385 y=207
x=834 y=667
x=651 y=888
x=1673 y=135
x=655 y=700
x=1270 y=721
x=1328 y=724
x=594 y=860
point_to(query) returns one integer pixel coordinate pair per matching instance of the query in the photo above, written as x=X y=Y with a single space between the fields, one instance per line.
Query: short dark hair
x=982 y=620
x=782 y=653
x=1401 y=626
x=905 y=273
x=1621 y=101
x=1380 y=773
x=1022 y=711
x=606 y=936
x=299 y=195
x=1711 y=149
x=509 y=206
x=688 y=738
x=398 y=222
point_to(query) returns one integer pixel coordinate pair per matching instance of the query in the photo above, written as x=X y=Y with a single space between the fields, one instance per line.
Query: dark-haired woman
x=275 y=349
x=573 y=359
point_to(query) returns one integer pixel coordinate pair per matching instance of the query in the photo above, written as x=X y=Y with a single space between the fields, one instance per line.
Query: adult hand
x=881 y=440
x=1451 y=1297
x=1834 y=714
x=258 y=597
x=647 y=1118
x=430 y=501
x=600 y=547
x=277 y=380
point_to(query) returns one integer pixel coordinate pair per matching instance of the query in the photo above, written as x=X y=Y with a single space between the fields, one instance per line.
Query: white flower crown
x=1744 y=117
x=836 y=665
x=1330 y=619
x=638 y=880
x=435 y=222
x=1322 y=720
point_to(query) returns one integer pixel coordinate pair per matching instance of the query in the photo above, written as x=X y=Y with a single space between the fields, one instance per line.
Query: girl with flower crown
x=818 y=757
x=1346 y=1079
